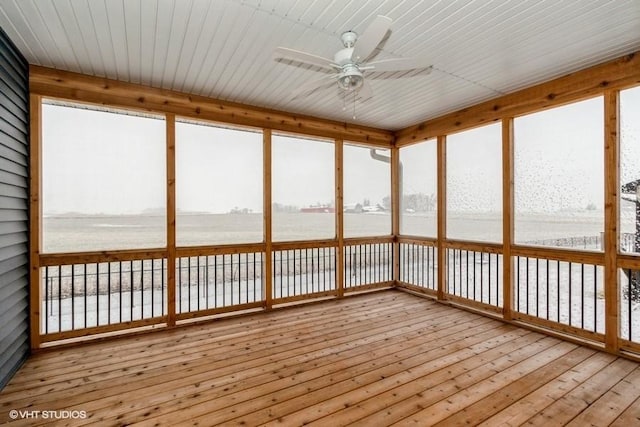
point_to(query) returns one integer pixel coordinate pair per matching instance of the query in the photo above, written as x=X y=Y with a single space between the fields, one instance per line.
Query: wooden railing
x=211 y=284
x=557 y=289
x=474 y=274
x=368 y=263
x=85 y=294
x=302 y=271
x=629 y=303
x=419 y=264
x=560 y=289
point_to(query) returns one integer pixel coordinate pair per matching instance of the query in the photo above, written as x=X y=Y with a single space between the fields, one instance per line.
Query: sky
x=103 y=163
x=97 y=162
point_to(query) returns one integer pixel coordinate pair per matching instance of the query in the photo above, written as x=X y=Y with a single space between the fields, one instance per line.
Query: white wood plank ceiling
x=223 y=48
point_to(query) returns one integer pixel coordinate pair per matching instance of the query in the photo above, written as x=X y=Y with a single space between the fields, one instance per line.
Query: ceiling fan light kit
x=351 y=78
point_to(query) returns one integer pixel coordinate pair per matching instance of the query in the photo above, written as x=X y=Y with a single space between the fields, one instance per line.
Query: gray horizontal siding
x=14 y=205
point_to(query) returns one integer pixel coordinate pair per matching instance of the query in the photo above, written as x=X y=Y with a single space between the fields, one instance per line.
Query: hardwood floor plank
x=516 y=390
x=445 y=407
x=158 y=342
x=144 y=357
x=630 y=416
x=354 y=405
x=182 y=366
x=241 y=377
x=93 y=355
x=525 y=408
x=573 y=403
x=288 y=387
x=313 y=365
x=606 y=409
x=325 y=401
x=445 y=384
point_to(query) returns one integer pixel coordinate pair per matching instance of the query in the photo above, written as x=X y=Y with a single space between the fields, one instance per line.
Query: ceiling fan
x=348 y=67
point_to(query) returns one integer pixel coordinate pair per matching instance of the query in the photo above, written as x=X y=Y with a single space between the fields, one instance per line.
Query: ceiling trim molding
x=617 y=74
x=53 y=83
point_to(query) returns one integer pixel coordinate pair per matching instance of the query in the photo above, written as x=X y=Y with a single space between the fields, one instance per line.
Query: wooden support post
x=339 y=204
x=611 y=219
x=268 y=266
x=395 y=211
x=507 y=217
x=442 y=214
x=171 y=218
x=35 y=216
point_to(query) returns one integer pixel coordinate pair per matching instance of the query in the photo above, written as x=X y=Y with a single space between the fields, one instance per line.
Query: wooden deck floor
x=387 y=358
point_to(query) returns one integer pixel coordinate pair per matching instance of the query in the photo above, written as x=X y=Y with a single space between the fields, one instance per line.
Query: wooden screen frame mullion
x=35 y=217
x=611 y=218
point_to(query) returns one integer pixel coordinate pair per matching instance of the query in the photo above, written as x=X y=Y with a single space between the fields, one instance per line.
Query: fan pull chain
x=354 y=105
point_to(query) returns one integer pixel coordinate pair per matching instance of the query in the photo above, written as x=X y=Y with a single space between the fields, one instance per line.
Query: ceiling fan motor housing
x=350 y=77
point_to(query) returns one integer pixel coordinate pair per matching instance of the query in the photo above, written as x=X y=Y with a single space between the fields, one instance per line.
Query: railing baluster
x=360 y=270
x=177 y=284
x=188 y=283
x=537 y=287
x=582 y=296
x=379 y=275
x=119 y=289
x=131 y=304
x=482 y=274
x=198 y=282
x=558 y=290
x=59 y=299
x=232 y=274
x=246 y=277
x=47 y=300
x=466 y=254
x=73 y=298
x=448 y=268
x=548 y=288
x=595 y=298
x=459 y=272
x=224 y=281
x=313 y=273
x=153 y=288
x=518 y=283
x=527 y=285
x=421 y=249
x=142 y=289
x=570 y=292
x=433 y=268
x=288 y=275
x=215 y=281
x=206 y=281
x=629 y=299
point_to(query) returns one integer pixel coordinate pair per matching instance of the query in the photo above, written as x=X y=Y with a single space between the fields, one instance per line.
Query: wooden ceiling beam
x=617 y=74
x=52 y=83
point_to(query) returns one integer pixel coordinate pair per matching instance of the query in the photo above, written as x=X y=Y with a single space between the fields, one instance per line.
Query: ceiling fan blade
x=397 y=64
x=312 y=86
x=371 y=38
x=304 y=57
